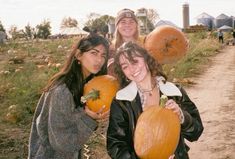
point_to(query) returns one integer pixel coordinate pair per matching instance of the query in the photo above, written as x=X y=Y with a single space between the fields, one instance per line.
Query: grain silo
x=111 y=26
x=223 y=19
x=206 y=20
x=185 y=15
x=233 y=22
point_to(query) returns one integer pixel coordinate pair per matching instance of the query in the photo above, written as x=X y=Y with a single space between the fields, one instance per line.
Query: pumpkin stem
x=93 y=95
x=163 y=100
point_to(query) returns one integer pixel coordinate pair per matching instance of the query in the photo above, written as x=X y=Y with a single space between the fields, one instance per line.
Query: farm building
x=215 y=23
x=223 y=19
x=166 y=22
x=206 y=20
x=73 y=31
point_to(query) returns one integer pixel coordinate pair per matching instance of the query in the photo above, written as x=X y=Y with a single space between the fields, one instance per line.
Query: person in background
x=126 y=29
x=142 y=83
x=221 y=36
x=61 y=123
x=233 y=34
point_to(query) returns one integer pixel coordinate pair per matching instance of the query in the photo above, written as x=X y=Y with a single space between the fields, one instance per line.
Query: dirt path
x=214 y=95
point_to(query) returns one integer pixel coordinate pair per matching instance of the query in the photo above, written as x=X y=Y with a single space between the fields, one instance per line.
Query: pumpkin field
x=26 y=65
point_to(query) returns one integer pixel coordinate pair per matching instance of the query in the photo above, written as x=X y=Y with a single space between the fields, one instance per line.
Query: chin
x=95 y=72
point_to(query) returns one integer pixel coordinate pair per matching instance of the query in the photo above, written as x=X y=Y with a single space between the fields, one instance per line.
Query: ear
x=78 y=56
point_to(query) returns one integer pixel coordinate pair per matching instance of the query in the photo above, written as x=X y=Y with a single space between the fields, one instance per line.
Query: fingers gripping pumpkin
x=157 y=133
x=99 y=92
x=166 y=44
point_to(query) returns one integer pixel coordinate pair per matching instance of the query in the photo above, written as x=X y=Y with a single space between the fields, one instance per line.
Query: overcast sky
x=22 y=12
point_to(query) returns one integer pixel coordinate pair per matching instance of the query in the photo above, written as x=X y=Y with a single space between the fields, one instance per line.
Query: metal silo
x=205 y=19
x=185 y=15
x=111 y=26
x=223 y=19
x=233 y=22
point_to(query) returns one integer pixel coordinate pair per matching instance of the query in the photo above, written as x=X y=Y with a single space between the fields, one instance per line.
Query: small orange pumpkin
x=12 y=115
x=166 y=44
x=100 y=91
x=157 y=133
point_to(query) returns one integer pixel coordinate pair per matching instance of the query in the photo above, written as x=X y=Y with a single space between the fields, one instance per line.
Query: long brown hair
x=131 y=50
x=71 y=73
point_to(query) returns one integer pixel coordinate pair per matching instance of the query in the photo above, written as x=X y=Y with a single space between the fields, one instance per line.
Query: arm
x=68 y=128
x=192 y=127
x=118 y=138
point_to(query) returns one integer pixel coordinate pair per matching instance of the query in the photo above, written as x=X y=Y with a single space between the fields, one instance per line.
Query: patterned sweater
x=58 y=129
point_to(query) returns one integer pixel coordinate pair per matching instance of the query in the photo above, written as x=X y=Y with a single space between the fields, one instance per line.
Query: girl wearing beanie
x=127 y=29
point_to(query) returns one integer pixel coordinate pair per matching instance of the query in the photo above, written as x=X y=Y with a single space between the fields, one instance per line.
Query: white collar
x=130 y=91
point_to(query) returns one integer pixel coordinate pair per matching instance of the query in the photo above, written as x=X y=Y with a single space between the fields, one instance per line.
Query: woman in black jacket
x=142 y=85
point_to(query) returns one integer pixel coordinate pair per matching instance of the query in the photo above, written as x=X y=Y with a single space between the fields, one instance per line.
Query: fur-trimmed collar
x=130 y=91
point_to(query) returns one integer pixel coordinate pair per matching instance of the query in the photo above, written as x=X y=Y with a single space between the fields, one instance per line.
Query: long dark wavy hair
x=131 y=50
x=71 y=73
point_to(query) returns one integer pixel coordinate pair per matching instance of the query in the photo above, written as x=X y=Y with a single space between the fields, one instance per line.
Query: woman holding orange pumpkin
x=142 y=84
x=61 y=123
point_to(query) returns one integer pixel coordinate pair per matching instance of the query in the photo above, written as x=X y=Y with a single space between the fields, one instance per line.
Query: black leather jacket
x=123 y=118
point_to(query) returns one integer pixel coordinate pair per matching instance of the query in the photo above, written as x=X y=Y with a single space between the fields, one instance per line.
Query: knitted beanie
x=125 y=13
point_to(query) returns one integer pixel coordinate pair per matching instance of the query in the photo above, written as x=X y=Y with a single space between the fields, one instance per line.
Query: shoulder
x=60 y=89
x=60 y=95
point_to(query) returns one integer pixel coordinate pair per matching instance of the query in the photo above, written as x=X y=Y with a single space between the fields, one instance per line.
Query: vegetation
x=68 y=22
x=2 y=27
x=25 y=67
x=201 y=46
x=99 y=23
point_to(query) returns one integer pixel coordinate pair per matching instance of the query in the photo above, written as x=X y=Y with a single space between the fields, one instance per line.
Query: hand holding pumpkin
x=99 y=92
x=172 y=105
x=97 y=115
x=157 y=132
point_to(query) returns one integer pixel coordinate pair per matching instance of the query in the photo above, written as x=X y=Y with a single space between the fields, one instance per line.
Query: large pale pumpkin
x=166 y=44
x=100 y=91
x=157 y=133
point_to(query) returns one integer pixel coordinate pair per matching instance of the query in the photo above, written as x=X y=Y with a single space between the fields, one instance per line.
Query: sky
x=33 y=12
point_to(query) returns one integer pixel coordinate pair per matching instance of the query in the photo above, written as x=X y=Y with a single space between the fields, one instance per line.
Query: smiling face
x=135 y=70
x=92 y=60
x=127 y=27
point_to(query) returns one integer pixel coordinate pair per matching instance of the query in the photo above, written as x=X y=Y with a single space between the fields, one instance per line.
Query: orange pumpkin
x=100 y=91
x=166 y=44
x=157 y=133
x=12 y=115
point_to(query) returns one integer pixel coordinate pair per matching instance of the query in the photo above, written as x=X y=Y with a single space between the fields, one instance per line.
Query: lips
x=136 y=74
x=97 y=67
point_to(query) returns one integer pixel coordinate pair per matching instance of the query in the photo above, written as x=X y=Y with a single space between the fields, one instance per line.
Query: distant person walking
x=3 y=37
x=221 y=36
x=233 y=33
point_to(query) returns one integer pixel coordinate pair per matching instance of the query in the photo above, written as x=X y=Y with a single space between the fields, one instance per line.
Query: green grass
x=22 y=85
x=201 y=47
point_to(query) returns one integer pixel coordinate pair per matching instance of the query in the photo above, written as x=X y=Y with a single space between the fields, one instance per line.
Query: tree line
x=94 y=22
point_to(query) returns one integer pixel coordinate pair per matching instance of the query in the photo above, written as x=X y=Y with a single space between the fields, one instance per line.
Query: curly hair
x=130 y=50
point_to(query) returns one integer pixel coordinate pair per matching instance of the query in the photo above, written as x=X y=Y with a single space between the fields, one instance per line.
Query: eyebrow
x=95 y=50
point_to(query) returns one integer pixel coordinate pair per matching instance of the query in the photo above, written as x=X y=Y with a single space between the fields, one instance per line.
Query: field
x=25 y=67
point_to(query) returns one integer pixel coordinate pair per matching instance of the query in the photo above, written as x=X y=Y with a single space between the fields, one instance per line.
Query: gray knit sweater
x=58 y=129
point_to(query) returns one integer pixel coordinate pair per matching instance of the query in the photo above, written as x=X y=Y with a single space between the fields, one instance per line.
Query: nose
x=132 y=68
x=99 y=58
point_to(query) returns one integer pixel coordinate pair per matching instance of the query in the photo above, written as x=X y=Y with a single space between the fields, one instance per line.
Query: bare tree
x=152 y=15
x=2 y=27
x=68 y=22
